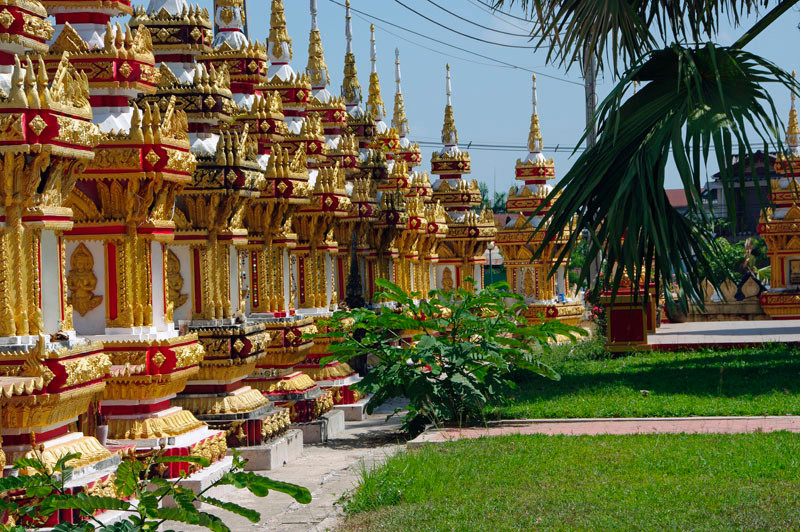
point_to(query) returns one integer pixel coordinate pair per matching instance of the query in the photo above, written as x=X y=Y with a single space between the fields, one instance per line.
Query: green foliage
x=45 y=494
x=758 y=258
x=655 y=482
x=496 y=202
x=623 y=31
x=450 y=355
x=727 y=262
x=577 y=260
x=499 y=202
x=682 y=114
x=697 y=100
x=732 y=259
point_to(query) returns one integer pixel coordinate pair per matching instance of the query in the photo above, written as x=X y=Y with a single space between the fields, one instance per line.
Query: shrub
x=40 y=490
x=449 y=356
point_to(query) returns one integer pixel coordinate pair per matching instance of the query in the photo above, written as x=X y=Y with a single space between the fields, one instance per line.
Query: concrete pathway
x=724 y=334
x=328 y=470
x=689 y=425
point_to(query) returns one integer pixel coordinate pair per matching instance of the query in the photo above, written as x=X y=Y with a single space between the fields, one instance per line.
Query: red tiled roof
x=677 y=197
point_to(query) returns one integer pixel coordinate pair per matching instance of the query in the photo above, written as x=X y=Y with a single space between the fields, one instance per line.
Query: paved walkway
x=328 y=470
x=725 y=333
x=690 y=425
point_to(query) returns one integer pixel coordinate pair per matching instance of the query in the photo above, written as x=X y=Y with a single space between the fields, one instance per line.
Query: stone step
x=275 y=454
x=355 y=411
x=324 y=428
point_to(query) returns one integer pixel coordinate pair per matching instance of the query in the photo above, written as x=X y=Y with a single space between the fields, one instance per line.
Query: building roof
x=677 y=197
x=764 y=166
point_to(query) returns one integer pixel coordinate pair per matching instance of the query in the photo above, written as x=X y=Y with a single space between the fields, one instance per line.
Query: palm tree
x=499 y=202
x=696 y=98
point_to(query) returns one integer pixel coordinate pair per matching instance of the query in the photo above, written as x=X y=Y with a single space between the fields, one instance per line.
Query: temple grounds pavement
x=329 y=470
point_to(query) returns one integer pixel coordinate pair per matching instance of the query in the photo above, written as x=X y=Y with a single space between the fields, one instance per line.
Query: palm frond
x=694 y=102
x=626 y=30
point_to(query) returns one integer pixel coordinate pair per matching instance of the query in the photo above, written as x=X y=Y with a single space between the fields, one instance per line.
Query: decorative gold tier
x=229 y=404
x=173 y=424
x=88 y=447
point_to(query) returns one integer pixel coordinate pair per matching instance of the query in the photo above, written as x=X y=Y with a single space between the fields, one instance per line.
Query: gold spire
x=375 y=104
x=793 y=131
x=449 y=132
x=535 y=135
x=399 y=120
x=317 y=70
x=278 y=35
x=351 y=88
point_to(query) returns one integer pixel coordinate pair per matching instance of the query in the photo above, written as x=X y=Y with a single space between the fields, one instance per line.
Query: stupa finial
x=535 y=135
x=317 y=70
x=351 y=88
x=449 y=132
x=279 y=42
x=375 y=102
x=399 y=120
x=793 y=131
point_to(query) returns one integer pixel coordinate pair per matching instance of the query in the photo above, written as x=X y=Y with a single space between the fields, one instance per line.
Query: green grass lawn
x=764 y=381
x=643 y=482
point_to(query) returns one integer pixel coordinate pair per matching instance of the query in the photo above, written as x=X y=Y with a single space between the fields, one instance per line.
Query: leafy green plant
x=31 y=497
x=727 y=263
x=449 y=356
x=697 y=101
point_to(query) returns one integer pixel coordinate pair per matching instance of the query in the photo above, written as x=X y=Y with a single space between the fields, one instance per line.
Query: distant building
x=756 y=196
x=677 y=198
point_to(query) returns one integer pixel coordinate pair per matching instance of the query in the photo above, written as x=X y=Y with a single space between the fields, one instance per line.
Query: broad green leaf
x=127 y=477
x=260 y=486
x=203 y=462
x=251 y=515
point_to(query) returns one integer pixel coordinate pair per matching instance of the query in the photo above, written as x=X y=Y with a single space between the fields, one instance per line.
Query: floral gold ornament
x=6 y=18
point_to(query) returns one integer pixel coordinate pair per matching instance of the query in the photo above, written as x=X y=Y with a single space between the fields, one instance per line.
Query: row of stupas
x=180 y=209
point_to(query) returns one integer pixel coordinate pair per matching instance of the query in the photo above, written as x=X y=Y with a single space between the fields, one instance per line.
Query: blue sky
x=492 y=104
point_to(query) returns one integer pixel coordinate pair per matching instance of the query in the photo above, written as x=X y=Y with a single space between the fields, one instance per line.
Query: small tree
x=450 y=355
x=728 y=263
x=41 y=490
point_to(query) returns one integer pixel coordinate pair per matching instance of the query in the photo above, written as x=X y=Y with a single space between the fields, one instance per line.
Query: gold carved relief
x=528 y=287
x=82 y=281
x=447 y=279
x=175 y=280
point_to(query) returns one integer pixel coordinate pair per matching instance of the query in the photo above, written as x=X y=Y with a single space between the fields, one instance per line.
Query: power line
x=468 y=36
x=526 y=35
x=459 y=58
x=558 y=148
x=568 y=148
x=493 y=13
x=510 y=65
x=504 y=13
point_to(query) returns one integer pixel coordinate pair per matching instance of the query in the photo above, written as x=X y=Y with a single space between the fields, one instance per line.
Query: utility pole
x=245 y=19
x=590 y=90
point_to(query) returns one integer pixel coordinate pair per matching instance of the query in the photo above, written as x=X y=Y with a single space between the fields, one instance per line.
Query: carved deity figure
x=447 y=279
x=175 y=281
x=528 y=286
x=82 y=281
